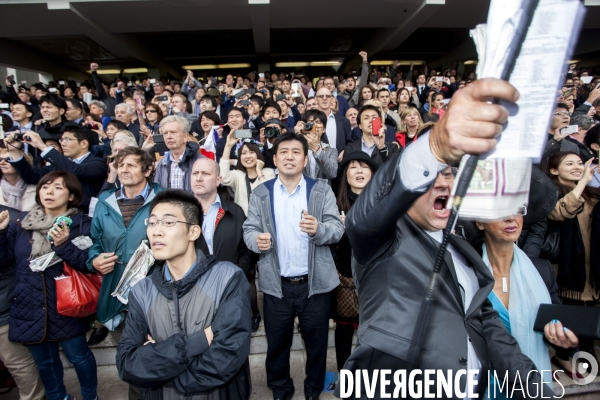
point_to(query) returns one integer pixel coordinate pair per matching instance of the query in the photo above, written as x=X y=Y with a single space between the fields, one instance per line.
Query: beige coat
x=236 y=180
x=28 y=200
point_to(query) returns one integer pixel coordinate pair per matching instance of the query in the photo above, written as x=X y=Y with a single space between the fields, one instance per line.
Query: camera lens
x=271 y=131
x=18 y=136
x=308 y=126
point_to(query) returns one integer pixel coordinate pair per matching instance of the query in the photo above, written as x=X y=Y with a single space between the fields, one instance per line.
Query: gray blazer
x=327 y=163
x=322 y=274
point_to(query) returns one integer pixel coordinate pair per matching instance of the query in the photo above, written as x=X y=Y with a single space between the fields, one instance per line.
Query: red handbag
x=77 y=293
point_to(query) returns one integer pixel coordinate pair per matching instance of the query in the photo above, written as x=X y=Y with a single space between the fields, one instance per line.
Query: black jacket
x=92 y=173
x=228 y=236
x=393 y=261
x=344 y=132
x=379 y=156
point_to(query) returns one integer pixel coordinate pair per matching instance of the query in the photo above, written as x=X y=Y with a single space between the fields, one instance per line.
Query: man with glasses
x=342 y=102
x=556 y=137
x=188 y=326
x=338 y=129
x=76 y=158
x=117 y=230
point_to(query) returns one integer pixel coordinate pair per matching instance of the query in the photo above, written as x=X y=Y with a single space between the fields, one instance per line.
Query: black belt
x=295 y=280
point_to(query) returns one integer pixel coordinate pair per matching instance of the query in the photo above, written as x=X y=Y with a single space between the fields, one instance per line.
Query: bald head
x=324 y=100
x=206 y=178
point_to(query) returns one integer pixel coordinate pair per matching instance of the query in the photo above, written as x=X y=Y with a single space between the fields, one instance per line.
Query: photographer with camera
x=76 y=142
x=268 y=134
x=322 y=159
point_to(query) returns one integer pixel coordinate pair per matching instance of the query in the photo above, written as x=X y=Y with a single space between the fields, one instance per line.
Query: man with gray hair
x=98 y=109
x=124 y=113
x=174 y=170
x=584 y=123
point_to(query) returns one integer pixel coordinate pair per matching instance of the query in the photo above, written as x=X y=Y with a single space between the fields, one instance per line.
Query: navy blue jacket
x=33 y=315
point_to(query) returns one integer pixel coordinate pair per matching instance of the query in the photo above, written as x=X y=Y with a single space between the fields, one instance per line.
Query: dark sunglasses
x=151 y=111
x=7 y=159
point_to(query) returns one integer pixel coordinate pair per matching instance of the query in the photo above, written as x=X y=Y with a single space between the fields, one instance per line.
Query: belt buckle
x=296 y=281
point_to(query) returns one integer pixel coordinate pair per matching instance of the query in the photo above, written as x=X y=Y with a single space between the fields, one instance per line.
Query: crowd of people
x=331 y=190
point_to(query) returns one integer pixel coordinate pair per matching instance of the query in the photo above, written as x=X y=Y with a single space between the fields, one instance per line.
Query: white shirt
x=331 y=130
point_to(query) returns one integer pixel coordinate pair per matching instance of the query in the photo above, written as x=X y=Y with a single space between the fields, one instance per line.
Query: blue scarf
x=527 y=292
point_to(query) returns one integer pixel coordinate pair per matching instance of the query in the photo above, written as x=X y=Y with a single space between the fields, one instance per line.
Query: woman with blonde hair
x=411 y=126
x=569 y=100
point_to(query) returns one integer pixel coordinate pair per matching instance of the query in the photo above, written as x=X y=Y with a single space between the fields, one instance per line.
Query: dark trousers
x=313 y=314
x=344 y=333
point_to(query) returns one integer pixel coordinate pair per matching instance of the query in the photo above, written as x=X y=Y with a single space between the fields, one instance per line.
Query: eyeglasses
x=166 y=222
x=7 y=159
x=65 y=140
x=563 y=114
x=324 y=96
x=151 y=111
x=450 y=174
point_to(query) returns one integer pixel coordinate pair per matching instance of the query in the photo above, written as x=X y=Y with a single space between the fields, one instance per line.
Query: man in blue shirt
x=291 y=222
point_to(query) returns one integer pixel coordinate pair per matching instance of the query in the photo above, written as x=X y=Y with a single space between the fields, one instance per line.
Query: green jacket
x=109 y=235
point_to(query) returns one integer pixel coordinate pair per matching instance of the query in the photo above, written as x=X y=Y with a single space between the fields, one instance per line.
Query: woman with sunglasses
x=34 y=319
x=14 y=193
x=153 y=115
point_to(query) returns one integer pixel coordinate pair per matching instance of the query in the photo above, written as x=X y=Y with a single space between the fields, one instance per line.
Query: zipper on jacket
x=273 y=237
x=176 y=305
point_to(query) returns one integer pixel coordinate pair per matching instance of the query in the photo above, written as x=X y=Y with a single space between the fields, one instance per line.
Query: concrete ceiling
x=166 y=34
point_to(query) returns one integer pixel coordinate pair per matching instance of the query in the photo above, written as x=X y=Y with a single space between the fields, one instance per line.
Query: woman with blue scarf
x=521 y=286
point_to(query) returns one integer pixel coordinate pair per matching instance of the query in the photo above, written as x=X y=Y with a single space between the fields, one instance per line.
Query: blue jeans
x=50 y=366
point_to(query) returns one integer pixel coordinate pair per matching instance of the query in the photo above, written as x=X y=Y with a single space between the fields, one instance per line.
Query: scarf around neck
x=13 y=194
x=39 y=224
x=527 y=292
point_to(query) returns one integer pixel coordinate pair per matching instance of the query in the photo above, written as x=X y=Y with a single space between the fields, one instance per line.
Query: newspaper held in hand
x=136 y=270
x=538 y=75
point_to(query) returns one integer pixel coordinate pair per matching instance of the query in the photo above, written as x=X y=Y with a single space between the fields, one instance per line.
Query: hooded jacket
x=163 y=168
x=181 y=364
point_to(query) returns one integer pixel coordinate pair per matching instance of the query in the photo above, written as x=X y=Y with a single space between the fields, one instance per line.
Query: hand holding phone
x=376 y=126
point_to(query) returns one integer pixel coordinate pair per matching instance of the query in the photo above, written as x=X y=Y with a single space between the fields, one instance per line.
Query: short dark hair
x=315 y=114
x=365 y=108
x=75 y=103
x=53 y=99
x=561 y=105
x=81 y=133
x=118 y=124
x=592 y=136
x=258 y=100
x=272 y=104
x=28 y=108
x=382 y=90
x=190 y=207
x=213 y=116
x=144 y=158
x=208 y=97
x=235 y=109
x=288 y=137
x=70 y=181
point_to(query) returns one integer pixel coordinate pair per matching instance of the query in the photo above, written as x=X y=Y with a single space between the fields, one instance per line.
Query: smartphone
x=245 y=102
x=52 y=90
x=4 y=106
x=152 y=81
x=261 y=75
x=280 y=97
x=62 y=83
x=409 y=88
x=439 y=79
x=23 y=82
x=296 y=89
x=138 y=101
x=213 y=81
x=159 y=144
x=243 y=134
x=376 y=126
x=250 y=91
x=87 y=97
x=162 y=98
x=586 y=79
x=569 y=130
x=238 y=93
x=446 y=101
x=129 y=84
x=11 y=79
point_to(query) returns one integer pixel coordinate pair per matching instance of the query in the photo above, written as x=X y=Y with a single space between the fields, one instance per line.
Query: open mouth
x=439 y=205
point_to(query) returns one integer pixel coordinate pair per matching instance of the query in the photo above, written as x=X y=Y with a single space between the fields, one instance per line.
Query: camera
x=308 y=126
x=91 y=125
x=271 y=132
x=19 y=137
